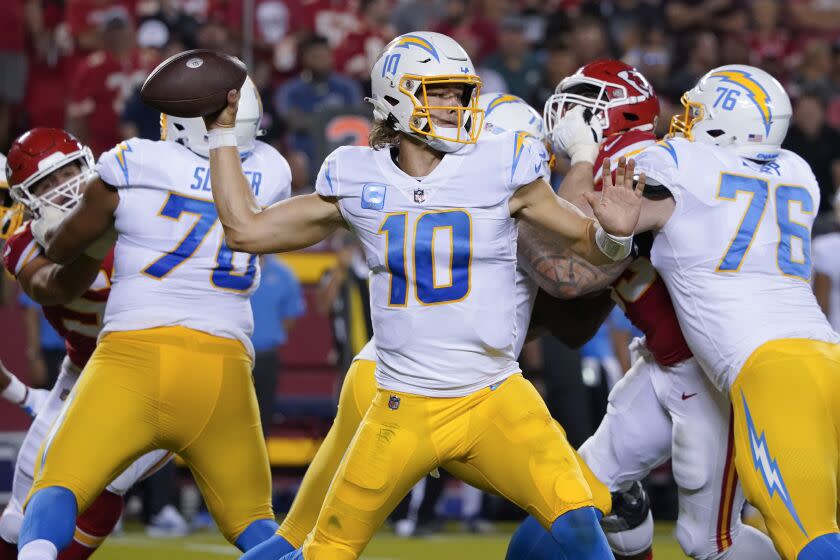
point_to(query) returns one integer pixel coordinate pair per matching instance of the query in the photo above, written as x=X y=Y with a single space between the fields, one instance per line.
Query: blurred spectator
x=360 y=49
x=318 y=87
x=652 y=57
x=86 y=19
x=217 y=36
x=813 y=75
x=769 y=40
x=168 y=23
x=559 y=62
x=629 y=16
x=816 y=15
x=51 y=62
x=100 y=86
x=691 y=15
x=515 y=61
x=413 y=15
x=702 y=57
x=276 y=303
x=817 y=143
x=344 y=296
x=589 y=41
x=826 y=254
x=138 y=119
x=45 y=348
x=13 y=62
x=463 y=24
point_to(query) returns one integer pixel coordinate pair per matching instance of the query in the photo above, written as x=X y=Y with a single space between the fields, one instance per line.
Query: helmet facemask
x=469 y=116
x=63 y=196
x=682 y=124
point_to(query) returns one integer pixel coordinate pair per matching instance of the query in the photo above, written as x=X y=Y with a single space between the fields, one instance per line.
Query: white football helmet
x=739 y=107
x=192 y=133
x=399 y=78
x=503 y=111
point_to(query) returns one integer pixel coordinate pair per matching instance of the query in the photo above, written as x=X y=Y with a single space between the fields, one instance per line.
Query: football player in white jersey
x=502 y=112
x=665 y=406
x=172 y=368
x=435 y=211
x=733 y=245
x=46 y=166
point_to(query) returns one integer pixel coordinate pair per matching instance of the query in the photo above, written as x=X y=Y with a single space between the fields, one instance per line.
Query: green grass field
x=447 y=546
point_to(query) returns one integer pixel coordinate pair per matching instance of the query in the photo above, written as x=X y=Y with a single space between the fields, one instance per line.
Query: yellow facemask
x=682 y=124
x=421 y=116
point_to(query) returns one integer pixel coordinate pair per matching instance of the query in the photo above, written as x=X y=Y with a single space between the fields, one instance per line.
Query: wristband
x=16 y=392
x=585 y=154
x=613 y=246
x=222 y=137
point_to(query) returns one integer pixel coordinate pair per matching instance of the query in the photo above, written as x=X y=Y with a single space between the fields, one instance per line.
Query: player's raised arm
x=292 y=224
x=616 y=208
x=87 y=228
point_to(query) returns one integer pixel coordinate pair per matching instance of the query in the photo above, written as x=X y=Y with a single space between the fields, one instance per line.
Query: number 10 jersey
x=442 y=255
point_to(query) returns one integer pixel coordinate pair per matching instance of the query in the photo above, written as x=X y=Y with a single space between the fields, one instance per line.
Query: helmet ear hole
x=392 y=101
x=715 y=133
x=179 y=127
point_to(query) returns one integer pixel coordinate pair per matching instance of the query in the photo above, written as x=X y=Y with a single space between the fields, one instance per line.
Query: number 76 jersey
x=171 y=264
x=736 y=253
x=442 y=255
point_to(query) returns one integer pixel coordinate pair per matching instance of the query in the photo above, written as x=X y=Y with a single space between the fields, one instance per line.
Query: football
x=193 y=83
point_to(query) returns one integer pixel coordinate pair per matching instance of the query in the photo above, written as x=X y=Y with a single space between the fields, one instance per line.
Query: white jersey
x=171 y=264
x=827 y=261
x=526 y=293
x=442 y=255
x=736 y=253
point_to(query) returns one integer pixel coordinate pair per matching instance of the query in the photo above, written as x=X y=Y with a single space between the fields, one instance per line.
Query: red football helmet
x=38 y=153
x=618 y=95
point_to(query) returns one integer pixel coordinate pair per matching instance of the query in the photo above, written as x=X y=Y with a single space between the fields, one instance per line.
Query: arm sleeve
x=327 y=183
x=120 y=166
x=660 y=165
x=528 y=161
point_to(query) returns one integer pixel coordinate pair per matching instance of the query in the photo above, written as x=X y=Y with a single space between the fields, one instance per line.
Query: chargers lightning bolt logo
x=755 y=91
x=501 y=100
x=122 y=148
x=768 y=466
x=407 y=41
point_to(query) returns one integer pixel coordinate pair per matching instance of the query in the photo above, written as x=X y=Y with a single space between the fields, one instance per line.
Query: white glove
x=577 y=138
x=49 y=217
x=99 y=249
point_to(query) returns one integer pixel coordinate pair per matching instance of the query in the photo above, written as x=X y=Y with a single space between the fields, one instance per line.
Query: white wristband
x=613 y=246
x=16 y=392
x=585 y=154
x=221 y=137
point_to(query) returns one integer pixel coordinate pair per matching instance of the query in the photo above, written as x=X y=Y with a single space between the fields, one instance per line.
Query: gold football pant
x=357 y=392
x=168 y=388
x=786 y=403
x=504 y=436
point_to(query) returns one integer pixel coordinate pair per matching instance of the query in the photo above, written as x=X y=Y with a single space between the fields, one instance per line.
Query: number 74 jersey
x=442 y=255
x=736 y=253
x=171 y=264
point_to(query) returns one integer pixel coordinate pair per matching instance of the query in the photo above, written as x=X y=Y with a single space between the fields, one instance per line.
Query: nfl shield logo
x=419 y=196
x=394 y=402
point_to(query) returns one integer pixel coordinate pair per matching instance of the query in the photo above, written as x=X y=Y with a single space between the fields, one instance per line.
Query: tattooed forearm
x=559 y=271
